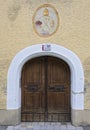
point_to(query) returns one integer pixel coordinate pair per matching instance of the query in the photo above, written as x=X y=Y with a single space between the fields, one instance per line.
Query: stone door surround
x=14 y=73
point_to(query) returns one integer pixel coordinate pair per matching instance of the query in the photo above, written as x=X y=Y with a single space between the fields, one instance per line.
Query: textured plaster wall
x=87 y=82
x=17 y=32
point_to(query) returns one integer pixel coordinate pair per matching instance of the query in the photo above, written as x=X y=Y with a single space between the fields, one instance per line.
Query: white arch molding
x=14 y=74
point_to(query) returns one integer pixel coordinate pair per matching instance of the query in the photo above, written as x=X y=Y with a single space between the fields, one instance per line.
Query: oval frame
x=56 y=13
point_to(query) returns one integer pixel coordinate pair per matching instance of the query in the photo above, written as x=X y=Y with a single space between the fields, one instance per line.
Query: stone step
x=44 y=126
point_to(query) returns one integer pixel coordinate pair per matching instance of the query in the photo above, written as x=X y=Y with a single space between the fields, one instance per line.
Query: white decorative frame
x=14 y=74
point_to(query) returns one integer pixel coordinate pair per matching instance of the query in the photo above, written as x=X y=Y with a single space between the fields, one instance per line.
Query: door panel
x=45 y=90
x=59 y=85
x=32 y=88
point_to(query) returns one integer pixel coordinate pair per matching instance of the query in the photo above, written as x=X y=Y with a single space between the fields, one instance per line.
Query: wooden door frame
x=14 y=74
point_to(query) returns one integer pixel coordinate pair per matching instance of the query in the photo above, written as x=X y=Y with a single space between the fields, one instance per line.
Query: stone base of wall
x=10 y=117
x=80 y=117
x=13 y=117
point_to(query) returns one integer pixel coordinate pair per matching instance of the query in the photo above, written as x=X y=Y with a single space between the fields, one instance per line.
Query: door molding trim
x=14 y=74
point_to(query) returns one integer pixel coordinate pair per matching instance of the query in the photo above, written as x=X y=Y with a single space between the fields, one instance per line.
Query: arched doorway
x=45 y=86
x=14 y=78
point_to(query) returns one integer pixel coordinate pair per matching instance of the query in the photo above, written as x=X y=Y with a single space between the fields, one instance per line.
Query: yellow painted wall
x=17 y=32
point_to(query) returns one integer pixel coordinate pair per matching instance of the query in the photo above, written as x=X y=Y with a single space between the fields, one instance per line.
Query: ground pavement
x=44 y=126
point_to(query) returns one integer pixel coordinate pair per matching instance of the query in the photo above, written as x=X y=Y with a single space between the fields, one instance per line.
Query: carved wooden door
x=45 y=89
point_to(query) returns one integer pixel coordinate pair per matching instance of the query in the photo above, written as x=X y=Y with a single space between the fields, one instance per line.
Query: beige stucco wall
x=17 y=32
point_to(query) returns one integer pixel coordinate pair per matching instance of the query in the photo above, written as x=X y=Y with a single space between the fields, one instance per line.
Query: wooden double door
x=45 y=85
